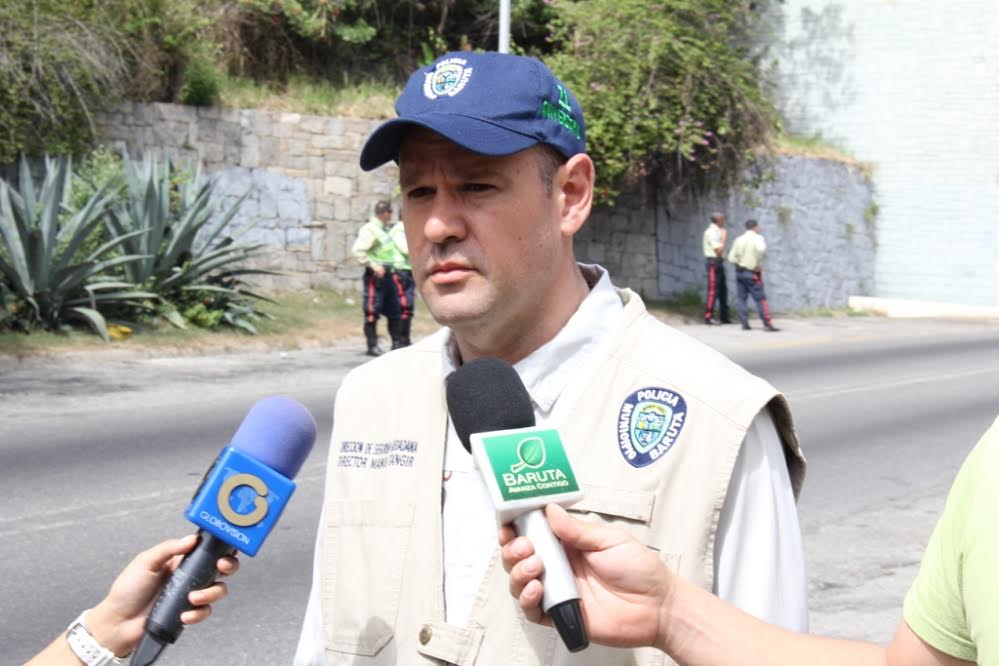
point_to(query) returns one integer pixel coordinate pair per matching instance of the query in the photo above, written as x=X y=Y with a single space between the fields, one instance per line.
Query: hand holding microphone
x=524 y=468
x=115 y=625
x=625 y=587
x=236 y=506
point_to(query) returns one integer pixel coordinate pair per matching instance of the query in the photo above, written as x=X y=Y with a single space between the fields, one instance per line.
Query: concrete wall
x=911 y=86
x=308 y=197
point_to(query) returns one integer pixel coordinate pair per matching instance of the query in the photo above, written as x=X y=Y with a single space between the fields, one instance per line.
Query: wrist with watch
x=86 y=647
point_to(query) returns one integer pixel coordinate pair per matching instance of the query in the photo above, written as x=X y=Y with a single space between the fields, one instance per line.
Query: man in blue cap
x=691 y=454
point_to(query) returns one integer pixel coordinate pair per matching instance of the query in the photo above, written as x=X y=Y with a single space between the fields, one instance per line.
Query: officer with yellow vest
x=694 y=456
x=747 y=255
x=375 y=249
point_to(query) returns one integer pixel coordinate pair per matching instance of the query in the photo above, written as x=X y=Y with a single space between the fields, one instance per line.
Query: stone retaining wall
x=308 y=198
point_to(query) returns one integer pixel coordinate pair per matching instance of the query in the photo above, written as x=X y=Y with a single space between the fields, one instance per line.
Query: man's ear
x=574 y=189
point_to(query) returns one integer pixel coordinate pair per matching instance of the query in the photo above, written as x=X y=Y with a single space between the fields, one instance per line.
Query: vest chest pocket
x=633 y=505
x=365 y=549
x=630 y=510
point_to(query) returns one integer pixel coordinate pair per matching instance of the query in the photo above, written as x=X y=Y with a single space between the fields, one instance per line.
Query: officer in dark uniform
x=714 y=259
x=375 y=250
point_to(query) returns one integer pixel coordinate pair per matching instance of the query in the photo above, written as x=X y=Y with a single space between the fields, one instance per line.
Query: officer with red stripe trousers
x=403 y=286
x=376 y=250
x=714 y=240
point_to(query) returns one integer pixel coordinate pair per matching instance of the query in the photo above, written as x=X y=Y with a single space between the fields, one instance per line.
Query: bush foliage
x=122 y=241
x=670 y=88
x=59 y=62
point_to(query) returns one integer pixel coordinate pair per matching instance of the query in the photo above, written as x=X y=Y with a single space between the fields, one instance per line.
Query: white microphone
x=524 y=469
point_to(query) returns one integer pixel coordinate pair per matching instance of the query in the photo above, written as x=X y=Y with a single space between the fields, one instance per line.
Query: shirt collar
x=549 y=369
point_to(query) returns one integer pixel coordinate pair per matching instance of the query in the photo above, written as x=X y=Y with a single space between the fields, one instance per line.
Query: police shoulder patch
x=649 y=423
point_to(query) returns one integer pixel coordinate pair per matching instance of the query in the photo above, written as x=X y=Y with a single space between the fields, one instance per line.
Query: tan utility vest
x=659 y=394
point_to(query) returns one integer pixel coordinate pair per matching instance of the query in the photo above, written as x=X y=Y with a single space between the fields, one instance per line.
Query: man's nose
x=446 y=220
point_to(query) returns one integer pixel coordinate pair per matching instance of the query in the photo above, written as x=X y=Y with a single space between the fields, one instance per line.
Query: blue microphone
x=235 y=507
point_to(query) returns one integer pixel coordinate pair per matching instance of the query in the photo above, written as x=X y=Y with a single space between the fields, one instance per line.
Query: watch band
x=86 y=647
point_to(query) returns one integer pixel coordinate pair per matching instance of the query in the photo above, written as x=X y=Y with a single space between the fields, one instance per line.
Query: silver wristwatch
x=86 y=647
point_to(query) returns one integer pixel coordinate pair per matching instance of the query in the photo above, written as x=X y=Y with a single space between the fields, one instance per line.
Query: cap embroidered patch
x=448 y=78
x=649 y=423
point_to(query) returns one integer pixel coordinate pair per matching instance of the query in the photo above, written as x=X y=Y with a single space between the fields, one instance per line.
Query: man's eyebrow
x=480 y=170
x=458 y=172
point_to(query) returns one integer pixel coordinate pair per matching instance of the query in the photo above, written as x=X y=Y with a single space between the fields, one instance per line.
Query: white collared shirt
x=759 y=559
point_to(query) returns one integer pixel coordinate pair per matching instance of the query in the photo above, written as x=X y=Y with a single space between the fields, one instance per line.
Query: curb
x=906 y=309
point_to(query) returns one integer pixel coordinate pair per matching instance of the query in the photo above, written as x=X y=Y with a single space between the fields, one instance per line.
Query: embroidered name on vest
x=649 y=423
x=377 y=455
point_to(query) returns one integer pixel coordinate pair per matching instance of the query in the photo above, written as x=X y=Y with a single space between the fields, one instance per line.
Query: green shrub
x=669 y=87
x=202 y=83
x=60 y=63
x=48 y=282
x=186 y=257
x=166 y=37
x=201 y=316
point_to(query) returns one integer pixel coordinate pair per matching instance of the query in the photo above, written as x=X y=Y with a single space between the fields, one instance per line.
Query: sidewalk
x=814 y=331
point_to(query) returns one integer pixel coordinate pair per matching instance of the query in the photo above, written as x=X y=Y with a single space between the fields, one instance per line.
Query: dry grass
x=812 y=147
x=303 y=320
x=320 y=98
x=321 y=318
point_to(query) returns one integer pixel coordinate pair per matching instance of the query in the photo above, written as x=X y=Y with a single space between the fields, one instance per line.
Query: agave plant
x=40 y=252
x=186 y=253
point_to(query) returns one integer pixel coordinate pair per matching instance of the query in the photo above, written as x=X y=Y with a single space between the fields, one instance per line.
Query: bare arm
x=630 y=599
x=701 y=629
x=118 y=621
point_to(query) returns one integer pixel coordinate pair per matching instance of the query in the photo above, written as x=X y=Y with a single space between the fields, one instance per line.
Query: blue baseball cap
x=489 y=103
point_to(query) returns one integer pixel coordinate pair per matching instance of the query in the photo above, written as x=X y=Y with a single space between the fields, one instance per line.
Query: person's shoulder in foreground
x=954 y=602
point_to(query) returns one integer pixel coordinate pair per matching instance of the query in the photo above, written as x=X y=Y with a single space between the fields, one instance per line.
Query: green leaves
x=39 y=253
x=154 y=245
x=59 y=63
x=170 y=222
x=666 y=87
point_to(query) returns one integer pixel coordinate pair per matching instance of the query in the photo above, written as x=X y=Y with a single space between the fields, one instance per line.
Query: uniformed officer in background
x=747 y=255
x=377 y=252
x=715 y=237
x=403 y=286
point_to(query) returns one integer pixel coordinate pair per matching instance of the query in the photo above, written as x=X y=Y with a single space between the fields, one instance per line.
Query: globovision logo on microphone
x=240 y=500
x=529 y=463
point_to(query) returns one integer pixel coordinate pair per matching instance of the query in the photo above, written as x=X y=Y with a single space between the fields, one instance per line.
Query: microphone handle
x=557 y=579
x=560 y=599
x=196 y=571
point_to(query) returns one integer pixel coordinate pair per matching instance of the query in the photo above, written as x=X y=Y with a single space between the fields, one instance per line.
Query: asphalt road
x=99 y=456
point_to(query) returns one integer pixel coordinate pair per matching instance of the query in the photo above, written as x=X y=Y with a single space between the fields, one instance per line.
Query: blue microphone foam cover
x=278 y=432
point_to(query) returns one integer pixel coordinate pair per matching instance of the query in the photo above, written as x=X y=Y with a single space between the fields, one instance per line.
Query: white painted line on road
x=89 y=507
x=831 y=391
x=91 y=511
